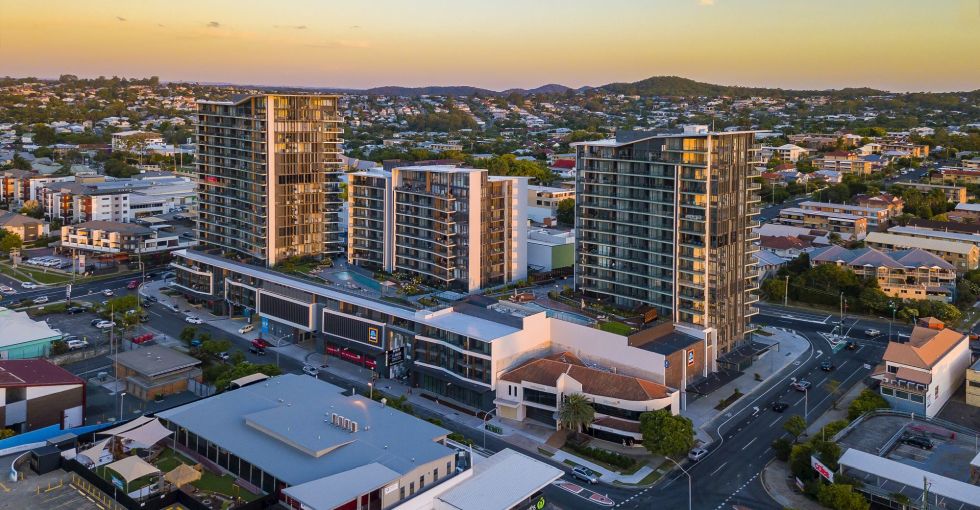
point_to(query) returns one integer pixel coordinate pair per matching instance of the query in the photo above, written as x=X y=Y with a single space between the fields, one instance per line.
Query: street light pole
x=890 y=322
x=806 y=405
x=689 y=501
x=786 y=292
x=122 y=397
x=486 y=418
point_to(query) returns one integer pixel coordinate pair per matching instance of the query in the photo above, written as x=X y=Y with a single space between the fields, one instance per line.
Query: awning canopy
x=182 y=475
x=95 y=452
x=148 y=434
x=132 y=424
x=132 y=468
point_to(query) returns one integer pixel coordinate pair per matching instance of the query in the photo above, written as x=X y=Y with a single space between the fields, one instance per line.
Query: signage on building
x=821 y=469
x=396 y=356
x=265 y=324
x=391 y=488
x=666 y=363
x=373 y=335
x=690 y=357
x=537 y=504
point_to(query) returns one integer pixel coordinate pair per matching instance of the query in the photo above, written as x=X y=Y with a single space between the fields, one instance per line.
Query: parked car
x=107 y=292
x=801 y=385
x=142 y=339
x=697 y=454
x=779 y=406
x=75 y=344
x=310 y=370
x=144 y=317
x=827 y=365
x=871 y=332
x=72 y=310
x=105 y=325
x=95 y=322
x=224 y=356
x=192 y=319
x=258 y=351
x=261 y=343
x=29 y=285
x=584 y=474
x=918 y=441
x=133 y=284
x=151 y=299
x=40 y=300
x=246 y=328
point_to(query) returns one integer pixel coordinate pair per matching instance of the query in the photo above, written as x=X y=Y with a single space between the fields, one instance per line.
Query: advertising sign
x=265 y=324
x=821 y=469
x=373 y=335
x=690 y=357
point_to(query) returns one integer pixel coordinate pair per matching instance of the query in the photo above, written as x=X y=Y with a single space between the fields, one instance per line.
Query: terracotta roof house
x=920 y=375
x=535 y=389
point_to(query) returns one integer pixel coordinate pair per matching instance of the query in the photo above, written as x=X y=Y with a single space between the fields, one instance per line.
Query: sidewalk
x=778 y=484
x=702 y=411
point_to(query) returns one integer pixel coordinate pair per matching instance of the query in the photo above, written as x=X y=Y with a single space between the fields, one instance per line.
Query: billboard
x=821 y=469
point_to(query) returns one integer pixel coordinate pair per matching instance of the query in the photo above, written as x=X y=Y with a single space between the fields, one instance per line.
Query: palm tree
x=576 y=412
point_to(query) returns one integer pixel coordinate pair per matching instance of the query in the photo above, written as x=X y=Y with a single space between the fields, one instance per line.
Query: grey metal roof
x=501 y=482
x=155 y=360
x=333 y=491
x=910 y=258
x=290 y=418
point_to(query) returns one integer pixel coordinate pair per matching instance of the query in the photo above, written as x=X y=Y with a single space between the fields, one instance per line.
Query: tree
x=566 y=212
x=841 y=497
x=43 y=135
x=833 y=387
x=242 y=369
x=10 y=241
x=576 y=412
x=796 y=426
x=6 y=433
x=32 y=208
x=665 y=433
x=20 y=163
x=188 y=334
x=867 y=401
x=137 y=142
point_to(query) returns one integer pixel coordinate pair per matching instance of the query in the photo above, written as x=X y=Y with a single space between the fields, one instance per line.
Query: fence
x=200 y=389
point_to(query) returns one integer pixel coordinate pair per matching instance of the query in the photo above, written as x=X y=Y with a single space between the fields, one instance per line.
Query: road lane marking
x=775 y=422
x=717 y=469
x=749 y=443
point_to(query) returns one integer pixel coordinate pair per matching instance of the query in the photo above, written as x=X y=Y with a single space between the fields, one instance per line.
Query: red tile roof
x=546 y=371
x=563 y=163
x=34 y=372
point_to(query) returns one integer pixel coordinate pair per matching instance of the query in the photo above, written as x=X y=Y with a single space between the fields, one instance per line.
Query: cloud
x=355 y=27
x=120 y=18
x=343 y=43
x=213 y=24
x=706 y=2
x=291 y=27
x=161 y=25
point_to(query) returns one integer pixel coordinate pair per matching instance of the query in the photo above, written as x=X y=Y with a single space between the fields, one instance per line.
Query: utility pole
x=786 y=292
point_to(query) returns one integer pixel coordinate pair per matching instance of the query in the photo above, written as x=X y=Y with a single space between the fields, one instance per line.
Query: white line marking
x=718 y=468
x=775 y=422
x=750 y=442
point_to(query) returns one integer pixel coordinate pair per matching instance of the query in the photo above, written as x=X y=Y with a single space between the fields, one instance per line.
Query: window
x=422 y=482
x=411 y=488
x=401 y=492
x=435 y=475
x=918 y=398
x=888 y=391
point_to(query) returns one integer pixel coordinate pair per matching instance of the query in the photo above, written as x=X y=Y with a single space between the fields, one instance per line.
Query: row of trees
x=216 y=372
x=663 y=433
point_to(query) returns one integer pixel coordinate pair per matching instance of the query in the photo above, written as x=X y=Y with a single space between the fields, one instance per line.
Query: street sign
x=821 y=469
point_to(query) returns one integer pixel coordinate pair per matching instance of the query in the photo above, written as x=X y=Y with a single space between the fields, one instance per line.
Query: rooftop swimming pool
x=577 y=318
x=358 y=279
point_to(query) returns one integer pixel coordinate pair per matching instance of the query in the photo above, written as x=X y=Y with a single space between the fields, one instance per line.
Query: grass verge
x=615 y=327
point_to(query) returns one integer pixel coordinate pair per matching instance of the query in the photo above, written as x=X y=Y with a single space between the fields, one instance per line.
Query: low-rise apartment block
x=973 y=384
x=135 y=141
x=542 y=201
x=847 y=226
x=73 y=202
x=786 y=152
x=548 y=250
x=114 y=238
x=894 y=205
x=954 y=194
x=844 y=162
x=956 y=175
x=457 y=228
x=906 y=274
x=35 y=393
x=963 y=256
x=877 y=216
x=28 y=228
x=920 y=375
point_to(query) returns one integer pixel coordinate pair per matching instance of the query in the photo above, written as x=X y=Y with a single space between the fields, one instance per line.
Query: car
x=147 y=303
x=918 y=441
x=851 y=345
x=105 y=325
x=180 y=217
x=192 y=319
x=585 y=474
x=801 y=385
x=311 y=370
x=779 y=406
x=872 y=332
x=224 y=356
x=133 y=284
x=95 y=322
x=246 y=328
x=29 y=285
x=142 y=339
x=144 y=317
x=74 y=309
x=40 y=300
x=152 y=299
x=75 y=344
x=827 y=365
x=107 y=292
x=258 y=351
x=261 y=343
x=697 y=454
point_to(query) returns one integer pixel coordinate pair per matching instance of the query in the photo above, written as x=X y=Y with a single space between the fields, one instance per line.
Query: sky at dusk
x=896 y=45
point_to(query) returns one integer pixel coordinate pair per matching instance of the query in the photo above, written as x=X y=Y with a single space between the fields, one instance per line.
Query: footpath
x=787 y=348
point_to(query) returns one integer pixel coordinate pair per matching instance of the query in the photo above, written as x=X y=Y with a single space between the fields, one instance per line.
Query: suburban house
x=906 y=274
x=35 y=393
x=847 y=226
x=919 y=376
x=24 y=337
x=536 y=389
x=154 y=371
x=29 y=229
x=964 y=256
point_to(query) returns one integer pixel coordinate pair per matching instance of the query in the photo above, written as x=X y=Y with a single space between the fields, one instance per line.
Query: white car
x=77 y=344
x=105 y=325
x=193 y=319
x=246 y=328
x=40 y=300
x=29 y=285
x=107 y=292
x=7 y=290
x=311 y=370
x=697 y=454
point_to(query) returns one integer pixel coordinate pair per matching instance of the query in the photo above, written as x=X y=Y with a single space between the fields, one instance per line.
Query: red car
x=261 y=343
x=142 y=339
x=133 y=284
